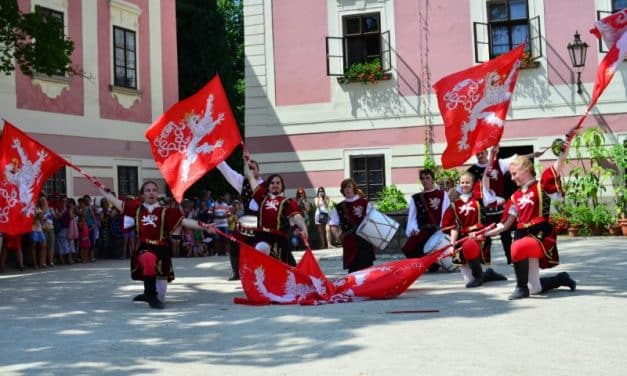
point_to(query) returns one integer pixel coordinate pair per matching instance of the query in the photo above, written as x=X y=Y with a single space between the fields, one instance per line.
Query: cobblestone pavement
x=73 y=320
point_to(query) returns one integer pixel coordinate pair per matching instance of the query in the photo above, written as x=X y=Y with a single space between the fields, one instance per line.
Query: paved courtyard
x=79 y=319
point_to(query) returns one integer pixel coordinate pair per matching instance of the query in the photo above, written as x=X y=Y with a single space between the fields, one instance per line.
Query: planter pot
x=572 y=231
x=597 y=230
x=623 y=226
x=615 y=230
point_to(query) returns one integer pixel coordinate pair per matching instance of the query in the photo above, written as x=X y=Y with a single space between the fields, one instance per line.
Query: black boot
x=490 y=275
x=234 y=258
x=142 y=297
x=151 y=293
x=521 y=268
x=475 y=268
x=506 y=241
x=561 y=279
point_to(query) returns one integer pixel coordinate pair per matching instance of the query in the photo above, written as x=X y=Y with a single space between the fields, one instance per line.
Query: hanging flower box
x=367 y=72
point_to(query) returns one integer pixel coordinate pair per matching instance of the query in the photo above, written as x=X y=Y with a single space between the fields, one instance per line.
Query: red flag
x=193 y=136
x=383 y=281
x=611 y=28
x=267 y=280
x=309 y=265
x=27 y=165
x=474 y=104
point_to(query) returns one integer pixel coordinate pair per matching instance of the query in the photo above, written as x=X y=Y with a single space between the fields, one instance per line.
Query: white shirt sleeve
x=233 y=177
x=446 y=202
x=412 y=223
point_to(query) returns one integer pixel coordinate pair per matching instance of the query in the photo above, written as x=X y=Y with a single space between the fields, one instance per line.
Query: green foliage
x=598 y=163
x=366 y=72
x=391 y=200
x=446 y=179
x=210 y=37
x=33 y=42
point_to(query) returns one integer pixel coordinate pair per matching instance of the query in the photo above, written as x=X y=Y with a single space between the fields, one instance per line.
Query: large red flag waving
x=27 y=165
x=613 y=30
x=474 y=104
x=193 y=136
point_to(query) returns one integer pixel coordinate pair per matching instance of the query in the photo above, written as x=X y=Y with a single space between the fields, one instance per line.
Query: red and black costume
x=425 y=217
x=466 y=215
x=494 y=211
x=357 y=253
x=273 y=223
x=535 y=237
x=152 y=259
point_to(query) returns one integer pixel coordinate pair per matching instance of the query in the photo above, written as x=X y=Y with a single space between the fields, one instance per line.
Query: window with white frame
x=127 y=181
x=362 y=41
x=124 y=58
x=508 y=25
x=368 y=171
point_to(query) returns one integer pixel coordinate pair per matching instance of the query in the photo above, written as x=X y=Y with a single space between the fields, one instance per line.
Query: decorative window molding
x=52 y=86
x=126 y=97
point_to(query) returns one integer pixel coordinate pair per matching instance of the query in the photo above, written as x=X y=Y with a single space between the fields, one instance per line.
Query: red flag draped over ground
x=27 y=165
x=474 y=104
x=193 y=136
x=266 y=280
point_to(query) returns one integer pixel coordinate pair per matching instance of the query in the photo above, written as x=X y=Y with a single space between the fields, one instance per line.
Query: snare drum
x=247 y=225
x=377 y=228
x=437 y=241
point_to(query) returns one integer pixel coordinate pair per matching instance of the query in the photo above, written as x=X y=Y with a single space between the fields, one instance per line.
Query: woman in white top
x=321 y=218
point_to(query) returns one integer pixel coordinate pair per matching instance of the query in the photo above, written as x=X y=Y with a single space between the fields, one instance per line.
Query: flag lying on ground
x=193 y=136
x=613 y=31
x=26 y=166
x=266 y=280
x=474 y=104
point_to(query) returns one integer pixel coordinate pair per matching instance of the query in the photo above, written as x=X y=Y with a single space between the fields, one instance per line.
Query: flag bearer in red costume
x=496 y=180
x=151 y=261
x=465 y=215
x=347 y=215
x=527 y=211
x=276 y=214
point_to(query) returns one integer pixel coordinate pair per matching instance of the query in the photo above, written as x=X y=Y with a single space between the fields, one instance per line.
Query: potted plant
x=366 y=72
x=601 y=219
x=560 y=223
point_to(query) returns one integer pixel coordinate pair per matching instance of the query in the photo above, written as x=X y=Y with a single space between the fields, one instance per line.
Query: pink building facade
x=127 y=51
x=314 y=130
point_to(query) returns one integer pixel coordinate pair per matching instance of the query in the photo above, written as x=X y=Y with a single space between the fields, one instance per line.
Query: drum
x=437 y=241
x=377 y=228
x=247 y=225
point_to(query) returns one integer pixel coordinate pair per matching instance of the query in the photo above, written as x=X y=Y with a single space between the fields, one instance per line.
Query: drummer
x=426 y=210
x=277 y=214
x=347 y=215
x=463 y=216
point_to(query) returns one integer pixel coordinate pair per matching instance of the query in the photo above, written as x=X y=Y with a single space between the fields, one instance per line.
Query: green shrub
x=391 y=200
